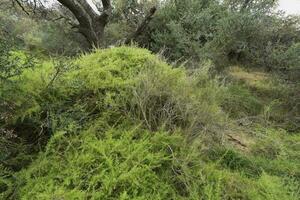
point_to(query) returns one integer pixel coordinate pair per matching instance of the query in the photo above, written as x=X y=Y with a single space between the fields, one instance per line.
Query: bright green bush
x=111 y=86
x=12 y=62
x=119 y=82
x=114 y=84
x=119 y=163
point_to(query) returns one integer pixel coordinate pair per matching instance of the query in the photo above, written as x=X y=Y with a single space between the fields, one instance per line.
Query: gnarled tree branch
x=92 y=24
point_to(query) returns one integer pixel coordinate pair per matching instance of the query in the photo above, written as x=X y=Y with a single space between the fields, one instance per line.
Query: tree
x=91 y=23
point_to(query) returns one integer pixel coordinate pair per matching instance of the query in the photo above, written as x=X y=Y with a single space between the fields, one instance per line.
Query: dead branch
x=140 y=29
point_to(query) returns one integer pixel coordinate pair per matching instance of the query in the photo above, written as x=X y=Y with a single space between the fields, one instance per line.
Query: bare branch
x=20 y=4
x=142 y=26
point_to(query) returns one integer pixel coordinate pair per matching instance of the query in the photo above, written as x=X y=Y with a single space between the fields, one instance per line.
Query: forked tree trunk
x=91 y=24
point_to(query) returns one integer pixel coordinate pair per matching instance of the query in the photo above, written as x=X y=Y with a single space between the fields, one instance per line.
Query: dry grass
x=253 y=78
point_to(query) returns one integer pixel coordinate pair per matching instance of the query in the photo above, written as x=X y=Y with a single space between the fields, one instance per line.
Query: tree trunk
x=91 y=25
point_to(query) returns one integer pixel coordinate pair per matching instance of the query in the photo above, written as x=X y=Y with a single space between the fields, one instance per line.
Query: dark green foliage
x=6 y=182
x=52 y=38
x=227 y=33
x=182 y=28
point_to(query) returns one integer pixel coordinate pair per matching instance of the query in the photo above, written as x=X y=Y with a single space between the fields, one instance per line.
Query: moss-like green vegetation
x=112 y=164
x=120 y=123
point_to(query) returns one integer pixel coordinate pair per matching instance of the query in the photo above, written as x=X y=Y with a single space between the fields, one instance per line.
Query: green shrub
x=181 y=28
x=12 y=62
x=272 y=188
x=276 y=152
x=124 y=162
x=6 y=182
x=114 y=84
x=119 y=163
x=166 y=97
x=235 y=161
x=225 y=32
x=119 y=82
x=108 y=88
x=240 y=102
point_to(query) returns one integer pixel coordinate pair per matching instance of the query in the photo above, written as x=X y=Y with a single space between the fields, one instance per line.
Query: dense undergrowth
x=120 y=123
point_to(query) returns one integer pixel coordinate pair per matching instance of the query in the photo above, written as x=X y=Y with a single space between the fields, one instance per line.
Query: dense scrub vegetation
x=208 y=109
x=124 y=124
